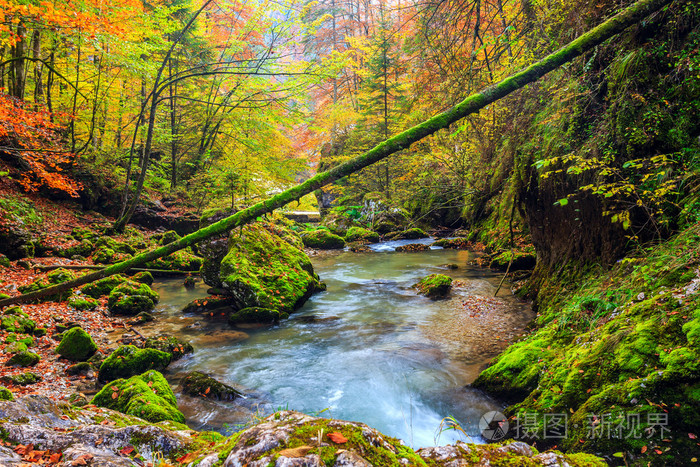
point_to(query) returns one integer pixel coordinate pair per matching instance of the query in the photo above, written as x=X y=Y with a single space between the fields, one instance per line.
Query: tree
x=629 y=16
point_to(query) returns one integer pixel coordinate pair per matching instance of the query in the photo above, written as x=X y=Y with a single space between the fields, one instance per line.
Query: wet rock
x=460 y=243
x=82 y=368
x=172 y=345
x=224 y=337
x=413 y=247
x=43 y=423
x=76 y=345
x=189 y=282
x=256 y=315
x=143 y=277
x=435 y=286
x=359 y=234
x=199 y=384
x=129 y=360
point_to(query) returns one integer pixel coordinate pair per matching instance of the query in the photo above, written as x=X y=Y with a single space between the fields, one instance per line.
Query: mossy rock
x=6 y=394
x=143 y=277
x=147 y=396
x=522 y=260
x=412 y=247
x=14 y=337
x=14 y=311
x=22 y=379
x=408 y=234
x=76 y=345
x=60 y=275
x=435 y=286
x=172 y=345
x=3 y=296
x=129 y=360
x=256 y=315
x=40 y=332
x=23 y=359
x=103 y=286
x=83 y=303
x=261 y=269
x=103 y=255
x=5 y=261
x=359 y=234
x=81 y=368
x=198 y=384
x=17 y=323
x=322 y=239
x=131 y=298
x=182 y=260
x=79 y=233
x=16 y=347
x=114 y=245
x=459 y=243
x=84 y=248
x=167 y=237
x=142 y=318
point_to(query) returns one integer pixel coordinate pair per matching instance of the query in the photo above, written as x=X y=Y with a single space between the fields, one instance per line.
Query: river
x=368 y=349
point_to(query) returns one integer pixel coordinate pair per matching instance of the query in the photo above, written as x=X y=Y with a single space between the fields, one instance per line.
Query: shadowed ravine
x=368 y=349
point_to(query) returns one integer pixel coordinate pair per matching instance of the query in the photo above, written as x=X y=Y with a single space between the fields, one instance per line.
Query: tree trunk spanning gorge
x=628 y=17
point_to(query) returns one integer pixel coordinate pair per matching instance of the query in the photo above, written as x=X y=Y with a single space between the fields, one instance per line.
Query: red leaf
x=207 y=391
x=126 y=451
x=114 y=395
x=55 y=458
x=692 y=436
x=337 y=437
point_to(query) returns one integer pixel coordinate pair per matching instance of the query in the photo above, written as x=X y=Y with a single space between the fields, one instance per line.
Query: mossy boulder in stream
x=322 y=239
x=256 y=315
x=266 y=267
x=172 y=345
x=131 y=298
x=198 y=384
x=129 y=360
x=76 y=345
x=146 y=396
x=435 y=286
x=359 y=234
x=408 y=234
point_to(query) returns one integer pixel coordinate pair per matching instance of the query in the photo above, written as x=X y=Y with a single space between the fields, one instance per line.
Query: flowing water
x=368 y=349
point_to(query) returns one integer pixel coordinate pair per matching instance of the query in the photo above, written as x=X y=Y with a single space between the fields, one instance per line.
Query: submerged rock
x=172 y=345
x=147 y=396
x=202 y=385
x=256 y=315
x=435 y=286
x=129 y=360
x=413 y=247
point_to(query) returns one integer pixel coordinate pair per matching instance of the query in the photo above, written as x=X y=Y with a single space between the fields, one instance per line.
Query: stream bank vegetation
x=117 y=120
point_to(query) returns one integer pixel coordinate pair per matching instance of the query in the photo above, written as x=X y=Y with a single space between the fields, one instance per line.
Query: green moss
x=357 y=234
x=76 y=345
x=5 y=261
x=18 y=324
x=84 y=248
x=198 y=384
x=263 y=270
x=23 y=359
x=82 y=303
x=435 y=286
x=13 y=337
x=147 y=396
x=182 y=260
x=144 y=277
x=103 y=286
x=167 y=237
x=6 y=394
x=103 y=255
x=60 y=275
x=16 y=347
x=172 y=345
x=128 y=361
x=22 y=379
x=460 y=243
x=322 y=239
x=408 y=234
x=114 y=245
x=256 y=315
x=40 y=332
x=81 y=368
x=522 y=259
x=130 y=298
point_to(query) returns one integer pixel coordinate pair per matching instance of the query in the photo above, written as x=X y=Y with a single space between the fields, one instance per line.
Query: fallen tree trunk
x=618 y=23
x=78 y=267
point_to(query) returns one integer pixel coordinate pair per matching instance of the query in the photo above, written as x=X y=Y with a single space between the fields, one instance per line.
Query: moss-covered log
x=618 y=23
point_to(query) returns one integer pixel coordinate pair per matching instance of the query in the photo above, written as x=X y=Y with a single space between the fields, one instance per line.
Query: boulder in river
x=199 y=384
x=169 y=344
x=359 y=234
x=129 y=360
x=435 y=286
x=322 y=239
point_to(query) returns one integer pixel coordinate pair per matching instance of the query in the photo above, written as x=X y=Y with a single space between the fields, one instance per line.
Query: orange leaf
x=337 y=437
x=55 y=458
x=114 y=395
x=126 y=451
x=644 y=449
x=207 y=391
